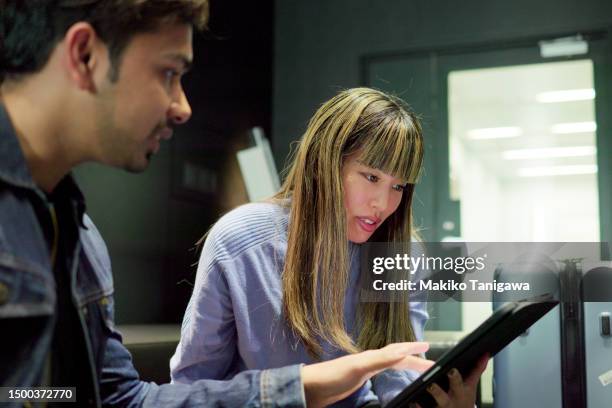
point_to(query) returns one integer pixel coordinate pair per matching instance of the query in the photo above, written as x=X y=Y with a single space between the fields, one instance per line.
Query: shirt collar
x=68 y=188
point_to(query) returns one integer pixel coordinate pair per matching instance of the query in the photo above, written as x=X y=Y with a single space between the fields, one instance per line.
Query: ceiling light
x=557 y=170
x=566 y=96
x=549 y=152
x=577 y=127
x=563 y=47
x=495 y=133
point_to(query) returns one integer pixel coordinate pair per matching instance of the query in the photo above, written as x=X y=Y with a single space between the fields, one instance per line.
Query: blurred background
x=515 y=98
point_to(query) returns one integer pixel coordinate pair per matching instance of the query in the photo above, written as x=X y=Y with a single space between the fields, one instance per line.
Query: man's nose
x=180 y=110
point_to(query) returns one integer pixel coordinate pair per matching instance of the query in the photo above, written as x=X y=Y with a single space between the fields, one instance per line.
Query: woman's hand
x=331 y=381
x=461 y=393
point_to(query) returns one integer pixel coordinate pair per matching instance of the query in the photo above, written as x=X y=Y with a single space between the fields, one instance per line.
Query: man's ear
x=83 y=55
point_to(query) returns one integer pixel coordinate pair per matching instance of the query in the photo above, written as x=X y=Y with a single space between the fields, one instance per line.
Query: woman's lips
x=367 y=224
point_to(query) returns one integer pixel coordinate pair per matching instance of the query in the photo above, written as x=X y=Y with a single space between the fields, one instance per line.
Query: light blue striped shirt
x=234 y=319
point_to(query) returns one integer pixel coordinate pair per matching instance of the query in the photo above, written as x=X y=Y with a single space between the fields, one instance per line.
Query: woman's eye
x=371 y=178
x=399 y=187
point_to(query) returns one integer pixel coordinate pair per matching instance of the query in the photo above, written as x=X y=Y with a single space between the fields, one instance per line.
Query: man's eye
x=371 y=177
x=170 y=75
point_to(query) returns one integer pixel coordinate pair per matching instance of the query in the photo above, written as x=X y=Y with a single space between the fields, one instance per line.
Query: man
x=99 y=80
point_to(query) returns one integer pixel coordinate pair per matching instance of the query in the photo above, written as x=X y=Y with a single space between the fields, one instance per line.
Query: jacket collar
x=14 y=169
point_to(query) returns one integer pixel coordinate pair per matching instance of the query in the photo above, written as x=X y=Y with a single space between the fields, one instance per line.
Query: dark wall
x=318 y=43
x=151 y=221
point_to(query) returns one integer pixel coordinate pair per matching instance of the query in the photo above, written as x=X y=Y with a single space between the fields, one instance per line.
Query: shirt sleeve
x=207 y=346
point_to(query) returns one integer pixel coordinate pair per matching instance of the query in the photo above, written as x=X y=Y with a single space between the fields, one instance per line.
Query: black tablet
x=503 y=326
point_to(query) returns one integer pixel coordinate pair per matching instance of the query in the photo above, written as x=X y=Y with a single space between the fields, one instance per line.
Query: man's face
x=139 y=110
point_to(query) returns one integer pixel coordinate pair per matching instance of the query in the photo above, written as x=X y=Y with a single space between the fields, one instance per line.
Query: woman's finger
x=441 y=397
x=413 y=347
x=456 y=382
x=472 y=379
x=397 y=356
x=413 y=363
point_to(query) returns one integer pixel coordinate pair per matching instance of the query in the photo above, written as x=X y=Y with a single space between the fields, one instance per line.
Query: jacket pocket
x=25 y=289
x=27 y=304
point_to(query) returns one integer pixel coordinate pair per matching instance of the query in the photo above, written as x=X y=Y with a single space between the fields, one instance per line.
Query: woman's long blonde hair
x=388 y=137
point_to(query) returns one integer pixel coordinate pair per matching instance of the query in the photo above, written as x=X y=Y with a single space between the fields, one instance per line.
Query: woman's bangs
x=395 y=149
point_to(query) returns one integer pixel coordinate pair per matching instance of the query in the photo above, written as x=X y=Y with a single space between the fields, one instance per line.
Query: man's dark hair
x=30 y=29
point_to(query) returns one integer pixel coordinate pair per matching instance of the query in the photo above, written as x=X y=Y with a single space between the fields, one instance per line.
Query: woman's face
x=370 y=196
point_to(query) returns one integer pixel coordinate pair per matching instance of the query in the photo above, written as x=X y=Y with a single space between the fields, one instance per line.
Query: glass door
x=523 y=152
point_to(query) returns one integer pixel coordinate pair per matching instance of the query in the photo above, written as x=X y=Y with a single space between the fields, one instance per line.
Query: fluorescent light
x=566 y=96
x=557 y=170
x=576 y=127
x=549 y=152
x=563 y=47
x=495 y=133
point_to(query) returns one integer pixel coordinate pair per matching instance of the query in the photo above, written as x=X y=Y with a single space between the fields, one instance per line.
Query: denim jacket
x=28 y=309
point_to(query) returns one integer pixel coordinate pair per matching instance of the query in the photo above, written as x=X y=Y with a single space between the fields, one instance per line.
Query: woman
x=278 y=281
